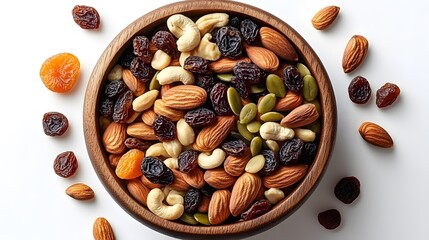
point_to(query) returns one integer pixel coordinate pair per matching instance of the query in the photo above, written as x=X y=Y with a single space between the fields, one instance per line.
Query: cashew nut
x=207 y=49
x=211 y=160
x=185 y=30
x=185 y=133
x=175 y=197
x=173 y=148
x=274 y=195
x=145 y=101
x=211 y=21
x=160 y=60
x=274 y=131
x=171 y=163
x=155 y=204
x=173 y=74
x=182 y=58
x=115 y=73
x=306 y=135
x=157 y=150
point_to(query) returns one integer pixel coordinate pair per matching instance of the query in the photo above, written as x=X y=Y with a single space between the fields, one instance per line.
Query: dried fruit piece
x=123 y=107
x=142 y=71
x=86 y=17
x=188 y=160
x=291 y=151
x=115 y=88
x=347 y=189
x=196 y=64
x=235 y=148
x=156 y=171
x=135 y=143
x=257 y=209
x=250 y=31
x=60 y=72
x=359 y=90
x=129 y=164
x=242 y=87
x=387 y=94
x=330 y=219
x=165 y=130
x=271 y=162
x=166 y=42
x=141 y=49
x=55 y=123
x=200 y=117
x=292 y=78
x=192 y=200
x=106 y=107
x=308 y=153
x=229 y=41
x=65 y=164
x=219 y=99
x=205 y=81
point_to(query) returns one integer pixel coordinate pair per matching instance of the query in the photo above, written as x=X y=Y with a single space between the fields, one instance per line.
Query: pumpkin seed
x=154 y=84
x=257 y=88
x=256 y=146
x=234 y=101
x=315 y=126
x=202 y=218
x=310 y=89
x=273 y=145
x=226 y=77
x=255 y=164
x=242 y=129
x=272 y=117
x=317 y=105
x=267 y=103
x=189 y=219
x=248 y=113
x=303 y=70
x=275 y=85
x=253 y=126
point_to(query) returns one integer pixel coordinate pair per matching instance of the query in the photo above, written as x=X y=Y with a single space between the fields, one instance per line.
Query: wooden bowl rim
x=117 y=189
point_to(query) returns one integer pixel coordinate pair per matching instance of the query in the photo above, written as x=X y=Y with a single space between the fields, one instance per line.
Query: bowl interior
x=149 y=22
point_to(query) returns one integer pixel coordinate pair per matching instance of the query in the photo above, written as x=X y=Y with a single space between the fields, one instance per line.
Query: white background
x=394 y=195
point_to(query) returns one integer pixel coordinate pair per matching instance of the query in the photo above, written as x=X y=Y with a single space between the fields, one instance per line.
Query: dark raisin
x=205 y=81
x=123 y=107
x=387 y=94
x=229 y=41
x=187 y=160
x=200 y=117
x=156 y=171
x=308 y=153
x=250 y=31
x=235 y=147
x=192 y=200
x=126 y=58
x=164 y=129
x=347 y=189
x=135 y=143
x=141 y=49
x=271 y=162
x=234 y=22
x=106 y=107
x=359 y=90
x=196 y=64
x=143 y=72
x=114 y=88
x=291 y=151
x=257 y=209
x=86 y=17
x=214 y=35
x=165 y=41
x=242 y=87
x=249 y=72
x=55 y=123
x=238 y=136
x=65 y=164
x=330 y=219
x=208 y=190
x=292 y=78
x=218 y=97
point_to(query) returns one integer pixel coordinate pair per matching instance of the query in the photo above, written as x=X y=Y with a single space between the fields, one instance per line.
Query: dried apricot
x=60 y=72
x=129 y=164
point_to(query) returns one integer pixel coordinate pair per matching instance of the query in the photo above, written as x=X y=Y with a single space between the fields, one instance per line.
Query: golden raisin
x=129 y=164
x=60 y=72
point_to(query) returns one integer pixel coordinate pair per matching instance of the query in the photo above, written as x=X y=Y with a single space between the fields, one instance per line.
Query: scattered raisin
x=205 y=81
x=135 y=143
x=156 y=171
x=197 y=64
x=347 y=189
x=292 y=78
x=241 y=85
x=114 y=88
x=359 y=90
x=250 y=31
x=141 y=49
x=192 y=200
x=188 y=160
x=86 y=17
x=291 y=151
x=249 y=72
x=229 y=41
x=65 y=164
x=308 y=153
x=143 y=72
x=165 y=130
x=123 y=107
x=218 y=97
x=330 y=219
x=165 y=41
x=106 y=107
x=200 y=117
x=55 y=123
x=271 y=162
x=235 y=148
x=257 y=209
x=387 y=94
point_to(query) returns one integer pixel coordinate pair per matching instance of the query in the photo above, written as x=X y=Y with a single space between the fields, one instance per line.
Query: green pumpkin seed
x=272 y=117
x=275 y=85
x=267 y=103
x=202 y=218
x=226 y=77
x=154 y=84
x=237 y=135
x=257 y=88
x=248 y=113
x=188 y=218
x=234 y=100
x=242 y=129
x=253 y=126
x=256 y=146
x=273 y=145
x=310 y=89
x=255 y=164
x=315 y=126
x=317 y=105
x=303 y=70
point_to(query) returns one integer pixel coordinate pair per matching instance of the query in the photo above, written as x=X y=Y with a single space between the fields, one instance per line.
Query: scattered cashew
x=145 y=101
x=185 y=30
x=306 y=135
x=155 y=204
x=211 y=21
x=211 y=160
x=157 y=150
x=274 y=195
x=274 y=131
x=174 y=197
x=173 y=148
x=173 y=74
x=172 y=163
x=185 y=133
x=207 y=49
x=160 y=60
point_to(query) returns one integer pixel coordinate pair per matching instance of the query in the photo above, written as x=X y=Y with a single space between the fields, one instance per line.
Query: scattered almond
x=354 y=53
x=80 y=191
x=325 y=17
x=375 y=134
x=102 y=230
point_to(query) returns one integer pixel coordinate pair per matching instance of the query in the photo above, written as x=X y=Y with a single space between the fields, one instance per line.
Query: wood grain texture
x=116 y=187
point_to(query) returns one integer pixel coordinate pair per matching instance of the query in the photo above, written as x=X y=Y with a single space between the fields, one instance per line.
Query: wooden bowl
x=116 y=187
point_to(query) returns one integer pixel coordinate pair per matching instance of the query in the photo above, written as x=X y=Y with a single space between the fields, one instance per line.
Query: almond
x=148 y=116
x=142 y=131
x=179 y=183
x=160 y=108
x=138 y=190
x=354 y=53
x=290 y=101
x=114 y=137
x=136 y=86
x=102 y=230
x=244 y=192
x=184 y=97
x=279 y=44
x=219 y=207
x=265 y=59
x=195 y=178
x=80 y=191
x=300 y=116
x=213 y=134
x=325 y=17
x=375 y=134
x=234 y=166
x=285 y=176
x=148 y=183
x=204 y=204
x=218 y=178
x=226 y=65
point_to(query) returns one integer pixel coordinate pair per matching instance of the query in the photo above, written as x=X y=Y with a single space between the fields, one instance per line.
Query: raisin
x=192 y=200
x=55 y=123
x=242 y=87
x=187 y=160
x=250 y=31
x=292 y=78
x=156 y=171
x=308 y=153
x=229 y=41
x=123 y=107
x=205 y=81
x=330 y=219
x=135 y=143
x=271 y=162
x=196 y=64
x=141 y=49
x=235 y=148
x=359 y=90
x=164 y=129
x=249 y=72
x=234 y=22
x=60 y=72
x=114 y=88
x=218 y=97
x=208 y=190
x=86 y=17
x=106 y=107
x=291 y=151
x=143 y=72
x=65 y=164
x=387 y=94
x=347 y=189
x=127 y=57
x=200 y=117
x=166 y=42
x=257 y=209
